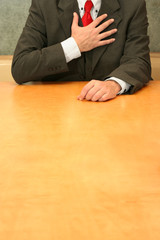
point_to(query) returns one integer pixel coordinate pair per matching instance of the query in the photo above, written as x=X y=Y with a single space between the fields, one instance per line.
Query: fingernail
x=78 y=98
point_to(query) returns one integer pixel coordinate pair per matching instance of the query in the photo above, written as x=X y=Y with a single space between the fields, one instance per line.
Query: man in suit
x=104 y=42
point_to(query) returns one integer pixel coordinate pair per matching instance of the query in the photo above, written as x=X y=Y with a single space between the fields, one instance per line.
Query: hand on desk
x=100 y=91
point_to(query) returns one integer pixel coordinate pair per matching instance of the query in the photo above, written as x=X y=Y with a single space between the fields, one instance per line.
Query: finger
x=107 y=34
x=106 y=97
x=92 y=92
x=75 y=19
x=85 y=90
x=97 y=21
x=98 y=95
x=105 y=42
x=105 y=25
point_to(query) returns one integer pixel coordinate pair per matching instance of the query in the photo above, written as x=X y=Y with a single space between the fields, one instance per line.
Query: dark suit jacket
x=39 y=55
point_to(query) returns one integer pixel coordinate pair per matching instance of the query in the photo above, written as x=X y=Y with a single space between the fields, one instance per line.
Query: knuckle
x=94 y=43
x=83 y=92
x=94 y=98
x=104 y=97
x=88 y=97
x=109 y=41
x=100 y=43
x=100 y=84
x=93 y=81
x=109 y=34
x=106 y=24
x=102 y=26
x=100 y=17
x=99 y=95
x=95 y=31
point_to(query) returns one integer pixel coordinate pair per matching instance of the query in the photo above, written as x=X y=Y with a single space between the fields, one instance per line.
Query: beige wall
x=13 y=15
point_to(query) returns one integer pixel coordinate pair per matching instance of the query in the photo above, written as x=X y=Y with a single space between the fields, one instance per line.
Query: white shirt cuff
x=124 y=85
x=71 y=49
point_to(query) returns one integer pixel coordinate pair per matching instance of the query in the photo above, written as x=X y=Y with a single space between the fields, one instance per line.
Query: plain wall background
x=13 y=14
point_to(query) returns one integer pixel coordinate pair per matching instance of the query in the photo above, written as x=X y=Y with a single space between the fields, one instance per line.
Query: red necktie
x=87 y=19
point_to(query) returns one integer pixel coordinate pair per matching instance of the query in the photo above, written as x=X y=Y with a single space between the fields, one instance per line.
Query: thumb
x=75 y=19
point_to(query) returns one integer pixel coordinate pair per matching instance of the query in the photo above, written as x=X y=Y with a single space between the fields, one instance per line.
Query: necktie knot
x=87 y=19
x=88 y=6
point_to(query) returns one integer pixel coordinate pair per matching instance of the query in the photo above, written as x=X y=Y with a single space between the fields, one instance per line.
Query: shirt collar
x=96 y=3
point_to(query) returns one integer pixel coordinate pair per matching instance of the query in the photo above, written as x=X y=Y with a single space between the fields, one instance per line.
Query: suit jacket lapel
x=65 y=14
x=110 y=7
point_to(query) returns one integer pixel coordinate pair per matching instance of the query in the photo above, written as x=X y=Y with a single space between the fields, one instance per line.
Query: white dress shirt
x=71 y=49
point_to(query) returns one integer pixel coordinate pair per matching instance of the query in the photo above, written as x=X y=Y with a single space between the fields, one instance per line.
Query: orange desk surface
x=72 y=170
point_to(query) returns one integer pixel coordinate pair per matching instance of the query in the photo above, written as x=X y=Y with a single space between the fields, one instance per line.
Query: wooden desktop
x=78 y=170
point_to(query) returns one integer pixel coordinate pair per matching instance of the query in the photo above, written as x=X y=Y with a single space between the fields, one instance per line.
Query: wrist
x=115 y=84
x=77 y=43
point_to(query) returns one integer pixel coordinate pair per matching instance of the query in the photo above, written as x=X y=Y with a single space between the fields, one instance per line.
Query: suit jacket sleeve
x=33 y=59
x=135 y=65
